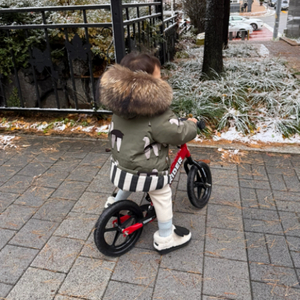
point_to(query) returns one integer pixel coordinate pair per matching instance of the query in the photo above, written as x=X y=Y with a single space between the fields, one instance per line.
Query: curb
x=286 y=148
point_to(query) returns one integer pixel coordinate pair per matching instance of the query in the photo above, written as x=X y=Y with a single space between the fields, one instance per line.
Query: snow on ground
x=7 y=141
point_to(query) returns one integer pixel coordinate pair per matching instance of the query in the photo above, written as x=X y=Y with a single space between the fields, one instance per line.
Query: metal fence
x=53 y=66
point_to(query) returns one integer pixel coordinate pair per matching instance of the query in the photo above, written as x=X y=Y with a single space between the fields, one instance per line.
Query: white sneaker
x=179 y=238
x=110 y=200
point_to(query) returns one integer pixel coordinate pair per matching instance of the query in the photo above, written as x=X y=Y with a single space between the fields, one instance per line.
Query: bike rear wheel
x=108 y=234
x=199 y=184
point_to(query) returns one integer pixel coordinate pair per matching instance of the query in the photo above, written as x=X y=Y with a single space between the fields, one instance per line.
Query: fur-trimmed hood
x=129 y=93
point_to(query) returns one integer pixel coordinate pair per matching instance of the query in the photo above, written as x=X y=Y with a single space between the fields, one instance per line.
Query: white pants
x=162 y=201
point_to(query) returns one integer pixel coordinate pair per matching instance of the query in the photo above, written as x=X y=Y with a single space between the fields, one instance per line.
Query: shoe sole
x=168 y=250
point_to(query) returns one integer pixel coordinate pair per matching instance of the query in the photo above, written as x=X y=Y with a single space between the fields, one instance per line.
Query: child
x=141 y=130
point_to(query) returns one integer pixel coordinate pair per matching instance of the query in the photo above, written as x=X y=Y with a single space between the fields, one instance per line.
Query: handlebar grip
x=201 y=124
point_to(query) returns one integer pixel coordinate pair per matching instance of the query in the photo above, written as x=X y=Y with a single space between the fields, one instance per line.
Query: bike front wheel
x=199 y=184
x=108 y=233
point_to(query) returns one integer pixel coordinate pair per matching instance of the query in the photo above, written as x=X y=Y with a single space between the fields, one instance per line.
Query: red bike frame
x=182 y=154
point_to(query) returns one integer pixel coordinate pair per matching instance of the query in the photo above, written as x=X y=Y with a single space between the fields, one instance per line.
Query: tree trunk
x=226 y=23
x=213 y=60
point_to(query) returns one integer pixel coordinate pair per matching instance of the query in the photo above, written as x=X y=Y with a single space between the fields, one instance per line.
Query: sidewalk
x=258 y=10
x=245 y=244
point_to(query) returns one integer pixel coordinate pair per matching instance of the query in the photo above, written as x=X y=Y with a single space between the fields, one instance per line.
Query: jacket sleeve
x=169 y=129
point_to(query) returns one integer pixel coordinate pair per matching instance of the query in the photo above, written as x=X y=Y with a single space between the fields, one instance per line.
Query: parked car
x=237 y=29
x=255 y=23
x=284 y=5
x=272 y=3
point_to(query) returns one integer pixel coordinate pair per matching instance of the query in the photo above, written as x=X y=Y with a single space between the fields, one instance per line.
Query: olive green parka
x=142 y=128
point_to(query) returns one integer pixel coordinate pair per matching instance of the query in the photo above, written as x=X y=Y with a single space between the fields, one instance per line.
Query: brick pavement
x=245 y=245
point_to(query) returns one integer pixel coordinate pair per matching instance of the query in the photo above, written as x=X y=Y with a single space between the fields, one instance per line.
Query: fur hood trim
x=129 y=93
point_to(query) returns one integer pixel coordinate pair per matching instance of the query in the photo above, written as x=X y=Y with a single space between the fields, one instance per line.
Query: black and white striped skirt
x=137 y=183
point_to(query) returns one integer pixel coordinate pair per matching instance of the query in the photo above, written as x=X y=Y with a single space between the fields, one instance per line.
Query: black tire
x=254 y=26
x=199 y=185
x=108 y=238
x=239 y=33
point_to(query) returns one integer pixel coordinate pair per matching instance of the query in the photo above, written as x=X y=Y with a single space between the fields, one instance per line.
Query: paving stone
x=293 y=243
x=34 y=234
x=245 y=171
x=71 y=190
x=84 y=173
x=248 y=197
x=260 y=214
x=88 y=278
x=77 y=226
x=278 y=250
x=174 y=285
x=61 y=297
x=259 y=172
x=15 y=216
x=137 y=266
x=77 y=154
x=280 y=195
x=277 y=182
x=6 y=235
x=51 y=178
x=90 y=250
x=101 y=182
x=224 y=177
x=35 y=168
x=225 y=243
x=263 y=226
x=254 y=184
x=288 y=206
x=146 y=239
x=277 y=160
x=125 y=291
x=296 y=258
x=180 y=261
x=35 y=196
x=50 y=156
x=14 y=261
x=290 y=223
x=273 y=274
x=265 y=199
x=262 y=291
x=277 y=170
x=6 y=199
x=257 y=247
x=17 y=184
x=221 y=216
x=36 y=284
x=58 y=254
x=292 y=183
x=206 y=297
x=7 y=172
x=224 y=166
x=20 y=160
x=182 y=182
x=226 y=278
x=226 y=195
x=183 y=204
x=4 y=290
x=95 y=159
x=91 y=203
x=54 y=210
x=66 y=165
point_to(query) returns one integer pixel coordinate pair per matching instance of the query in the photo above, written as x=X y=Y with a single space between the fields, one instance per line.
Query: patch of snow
x=60 y=127
x=6 y=141
x=104 y=128
x=87 y=129
x=263 y=51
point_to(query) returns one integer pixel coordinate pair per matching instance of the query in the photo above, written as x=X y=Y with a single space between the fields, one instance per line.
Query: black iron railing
x=58 y=71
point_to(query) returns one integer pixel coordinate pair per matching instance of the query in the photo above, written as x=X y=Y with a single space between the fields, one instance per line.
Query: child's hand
x=193 y=120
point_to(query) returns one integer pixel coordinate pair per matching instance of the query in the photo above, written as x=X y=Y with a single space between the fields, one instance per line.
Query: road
x=270 y=21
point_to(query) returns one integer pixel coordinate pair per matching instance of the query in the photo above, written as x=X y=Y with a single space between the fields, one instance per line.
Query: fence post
x=159 y=9
x=118 y=29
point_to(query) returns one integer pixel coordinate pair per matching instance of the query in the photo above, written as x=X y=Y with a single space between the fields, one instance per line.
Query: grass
x=251 y=90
